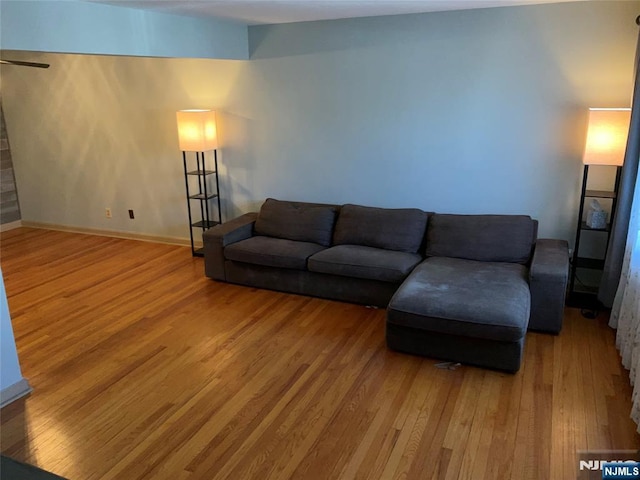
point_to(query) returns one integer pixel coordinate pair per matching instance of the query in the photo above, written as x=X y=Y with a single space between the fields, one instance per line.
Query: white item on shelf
x=596 y=216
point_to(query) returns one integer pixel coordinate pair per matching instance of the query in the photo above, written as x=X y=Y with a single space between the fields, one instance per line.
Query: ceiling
x=255 y=12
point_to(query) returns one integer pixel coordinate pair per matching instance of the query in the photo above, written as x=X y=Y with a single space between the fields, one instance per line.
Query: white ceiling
x=254 y=12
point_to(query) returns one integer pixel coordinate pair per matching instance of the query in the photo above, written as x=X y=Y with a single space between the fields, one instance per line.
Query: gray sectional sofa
x=463 y=288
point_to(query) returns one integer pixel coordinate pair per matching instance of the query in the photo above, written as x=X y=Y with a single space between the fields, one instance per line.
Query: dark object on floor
x=590 y=312
x=11 y=469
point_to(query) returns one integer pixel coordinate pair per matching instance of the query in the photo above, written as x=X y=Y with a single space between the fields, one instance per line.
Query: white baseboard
x=14 y=392
x=110 y=233
x=5 y=227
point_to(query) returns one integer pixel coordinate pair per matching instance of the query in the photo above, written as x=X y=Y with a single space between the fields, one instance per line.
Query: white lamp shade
x=607 y=136
x=197 y=130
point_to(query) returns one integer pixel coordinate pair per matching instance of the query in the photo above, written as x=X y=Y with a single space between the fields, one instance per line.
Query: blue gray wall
x=12 y=383
x=70 y=26
x=464 y=112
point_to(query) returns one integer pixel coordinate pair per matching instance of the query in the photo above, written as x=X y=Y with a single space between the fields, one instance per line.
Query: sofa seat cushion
x=272 y=252
x=400 y=229
x=300 y=221
x=364 y=262
x=464 y=297
x=487 y=238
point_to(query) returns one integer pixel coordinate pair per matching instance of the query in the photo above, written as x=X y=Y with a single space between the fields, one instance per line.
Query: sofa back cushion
x=304 y=222
x=400 y=229
x=489 y=238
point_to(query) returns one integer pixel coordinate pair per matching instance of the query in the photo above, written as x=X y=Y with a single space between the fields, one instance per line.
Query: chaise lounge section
x=463 y=288
x=469 y=300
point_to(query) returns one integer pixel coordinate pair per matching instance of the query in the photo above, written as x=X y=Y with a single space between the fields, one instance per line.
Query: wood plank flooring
x=142 y=368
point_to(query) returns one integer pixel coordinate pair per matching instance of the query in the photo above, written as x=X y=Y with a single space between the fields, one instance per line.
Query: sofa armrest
x=215 y=239
x=548 y=277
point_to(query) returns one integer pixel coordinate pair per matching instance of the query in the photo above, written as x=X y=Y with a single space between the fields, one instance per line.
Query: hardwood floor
x=143 y=368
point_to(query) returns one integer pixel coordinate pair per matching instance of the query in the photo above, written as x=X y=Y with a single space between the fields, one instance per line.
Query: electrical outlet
x=107 y=212
x=131 y=216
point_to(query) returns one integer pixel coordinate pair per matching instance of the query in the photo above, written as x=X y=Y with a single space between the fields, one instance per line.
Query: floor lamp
x=197 y=133
x=605 y=146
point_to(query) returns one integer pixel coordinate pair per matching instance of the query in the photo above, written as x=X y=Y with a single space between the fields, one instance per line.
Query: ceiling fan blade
x=24 y=64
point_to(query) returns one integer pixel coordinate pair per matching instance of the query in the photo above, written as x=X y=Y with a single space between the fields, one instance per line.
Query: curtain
x=625 y=312
x=620 y=224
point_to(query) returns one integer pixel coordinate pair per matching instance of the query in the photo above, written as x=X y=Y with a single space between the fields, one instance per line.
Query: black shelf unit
x=207 y=196
x=581 y=295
